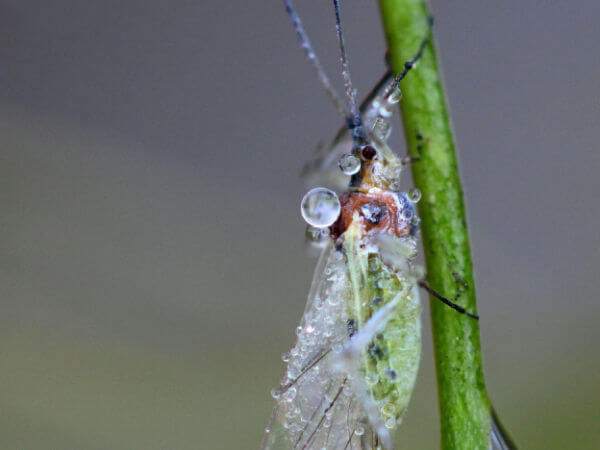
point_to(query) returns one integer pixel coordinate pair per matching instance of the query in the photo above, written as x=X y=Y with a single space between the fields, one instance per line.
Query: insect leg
x=447 y=302
x=406 y=160
x=408 y=65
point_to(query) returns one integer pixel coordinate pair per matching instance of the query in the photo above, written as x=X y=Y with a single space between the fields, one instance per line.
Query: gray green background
x=152 y=263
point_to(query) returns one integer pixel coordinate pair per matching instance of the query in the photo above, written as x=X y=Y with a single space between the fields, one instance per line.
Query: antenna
x=312 y=57
x=354 y=121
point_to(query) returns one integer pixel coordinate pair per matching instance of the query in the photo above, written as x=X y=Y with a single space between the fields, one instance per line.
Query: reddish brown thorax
x=379 y=212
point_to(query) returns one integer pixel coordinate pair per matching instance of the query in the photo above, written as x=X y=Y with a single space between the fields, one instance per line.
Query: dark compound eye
x=373 y=212
x=368 y=152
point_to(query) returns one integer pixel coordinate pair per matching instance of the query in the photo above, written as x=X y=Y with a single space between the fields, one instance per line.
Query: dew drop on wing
x=317 y=406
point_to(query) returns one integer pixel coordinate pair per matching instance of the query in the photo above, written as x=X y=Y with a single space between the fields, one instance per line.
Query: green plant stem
x=464 y=405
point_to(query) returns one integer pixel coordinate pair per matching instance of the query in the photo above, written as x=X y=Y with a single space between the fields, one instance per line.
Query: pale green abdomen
x=391 y=360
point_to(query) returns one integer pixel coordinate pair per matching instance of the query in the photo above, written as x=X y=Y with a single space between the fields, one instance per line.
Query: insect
x=351 y=372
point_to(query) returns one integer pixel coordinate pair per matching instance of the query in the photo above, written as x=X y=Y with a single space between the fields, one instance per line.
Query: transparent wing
x=323 y=168
x=499 y=438
x=316 y=405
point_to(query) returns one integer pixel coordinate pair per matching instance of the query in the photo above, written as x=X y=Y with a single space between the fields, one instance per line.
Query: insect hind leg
x=445 y=301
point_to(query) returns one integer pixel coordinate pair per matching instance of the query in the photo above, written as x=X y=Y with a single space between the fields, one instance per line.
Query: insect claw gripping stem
x=447 y=302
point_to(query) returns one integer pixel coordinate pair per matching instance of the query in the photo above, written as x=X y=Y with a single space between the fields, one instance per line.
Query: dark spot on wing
x=351 y=324
x=391 y=374
x=375 y=351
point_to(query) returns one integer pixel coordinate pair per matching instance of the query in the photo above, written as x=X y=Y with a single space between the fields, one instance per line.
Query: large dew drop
x=320 y=207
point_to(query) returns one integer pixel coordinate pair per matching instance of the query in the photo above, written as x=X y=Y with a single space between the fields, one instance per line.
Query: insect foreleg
x=410 y=64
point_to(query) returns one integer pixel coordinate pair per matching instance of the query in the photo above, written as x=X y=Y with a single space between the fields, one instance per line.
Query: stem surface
x=465 y=411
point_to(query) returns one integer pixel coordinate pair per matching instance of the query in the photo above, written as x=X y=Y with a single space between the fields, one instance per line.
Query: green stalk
x=465 y=412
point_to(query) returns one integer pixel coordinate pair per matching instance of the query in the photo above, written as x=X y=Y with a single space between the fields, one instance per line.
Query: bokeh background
x=152 y=261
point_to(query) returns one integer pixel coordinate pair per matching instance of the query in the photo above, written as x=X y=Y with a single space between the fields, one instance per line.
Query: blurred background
x=152 y=257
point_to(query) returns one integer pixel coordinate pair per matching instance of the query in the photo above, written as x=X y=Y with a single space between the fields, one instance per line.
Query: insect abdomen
x=391 y=360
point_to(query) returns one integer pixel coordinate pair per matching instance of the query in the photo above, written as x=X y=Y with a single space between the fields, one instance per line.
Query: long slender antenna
x=312 y=57
x=354 y=121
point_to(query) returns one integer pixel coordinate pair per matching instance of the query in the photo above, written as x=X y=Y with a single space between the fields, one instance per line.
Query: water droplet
x=320 y=207
x=394 y=96
x=285 y=357
x=275 y=393
x=390 y=423
x=333 y=300
x=408 y=213
x=371 y=379
x=382 y=128
x=267 y=430
x=298 y=331
x=395 y=184
x=414 y=195
x=349 y=164
x=388 y=409
x=386 y=110
x=290 y=394
x=359 y=430
x=317 y=237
